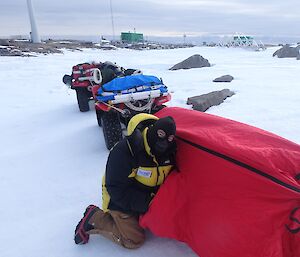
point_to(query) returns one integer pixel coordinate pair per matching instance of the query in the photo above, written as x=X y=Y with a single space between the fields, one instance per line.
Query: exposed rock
x=224 y=78
x=205 y=101
x=195 y=61
x=9 y=52
x=55 y=46
x=26 y=48
x=4 y=42
x=287 y=52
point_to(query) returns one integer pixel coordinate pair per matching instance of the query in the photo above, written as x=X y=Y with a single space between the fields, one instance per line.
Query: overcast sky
x=153 y=17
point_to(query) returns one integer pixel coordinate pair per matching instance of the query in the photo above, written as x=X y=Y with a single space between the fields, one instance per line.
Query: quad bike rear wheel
x=112 y=130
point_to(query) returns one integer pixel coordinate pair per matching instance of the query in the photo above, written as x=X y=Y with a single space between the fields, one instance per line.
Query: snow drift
x=236 y=192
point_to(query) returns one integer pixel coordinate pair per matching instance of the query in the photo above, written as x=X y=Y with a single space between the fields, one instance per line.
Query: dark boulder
x=4 y=42
x=287 y=52
x=205 y=101
x=225 y=78
x=195 y=61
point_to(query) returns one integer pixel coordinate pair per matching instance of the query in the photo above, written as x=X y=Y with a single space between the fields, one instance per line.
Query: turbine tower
x=35 y=37
x=112 y=19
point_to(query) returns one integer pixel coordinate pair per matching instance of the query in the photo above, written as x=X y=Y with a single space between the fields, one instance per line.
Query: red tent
x=236 y=192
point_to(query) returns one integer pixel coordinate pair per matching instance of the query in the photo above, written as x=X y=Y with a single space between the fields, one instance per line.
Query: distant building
x=132 y=37
x=244 y=41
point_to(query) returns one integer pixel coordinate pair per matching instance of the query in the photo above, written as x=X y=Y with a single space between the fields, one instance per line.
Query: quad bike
x=119 y=94
x=82 y=80
x=86 y=75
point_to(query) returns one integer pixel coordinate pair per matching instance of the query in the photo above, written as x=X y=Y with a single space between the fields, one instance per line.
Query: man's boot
x=118 y=227
x=81 y=236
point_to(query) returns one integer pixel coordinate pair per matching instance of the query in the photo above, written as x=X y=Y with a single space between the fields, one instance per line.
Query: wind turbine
x=35 y=37
x=112 y=19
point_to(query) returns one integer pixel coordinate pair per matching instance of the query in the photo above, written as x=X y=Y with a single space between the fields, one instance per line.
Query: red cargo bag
x=82 y=74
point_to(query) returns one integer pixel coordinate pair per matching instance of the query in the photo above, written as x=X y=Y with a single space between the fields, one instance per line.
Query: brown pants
x=121 y=228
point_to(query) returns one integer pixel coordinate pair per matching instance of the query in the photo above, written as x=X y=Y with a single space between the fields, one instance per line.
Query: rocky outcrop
x=205 y=101
x=195 y=61
x=287 y=52
x=4 y=42
x=26 y=48
x=10 y=52
x=224 y=78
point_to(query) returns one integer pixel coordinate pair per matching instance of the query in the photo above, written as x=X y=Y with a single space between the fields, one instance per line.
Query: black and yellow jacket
x=133 y=175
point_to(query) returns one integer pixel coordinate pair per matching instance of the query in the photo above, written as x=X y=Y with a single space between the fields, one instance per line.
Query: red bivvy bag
x=236 y=192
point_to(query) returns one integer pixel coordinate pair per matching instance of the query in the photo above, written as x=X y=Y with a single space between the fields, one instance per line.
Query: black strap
x=297 y=176
x=292 y=218
x=292 y=214
x=293 y=231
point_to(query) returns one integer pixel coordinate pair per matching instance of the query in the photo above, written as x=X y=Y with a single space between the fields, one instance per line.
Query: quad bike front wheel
x=83 y=97
x=112 y=130
x=99 y=114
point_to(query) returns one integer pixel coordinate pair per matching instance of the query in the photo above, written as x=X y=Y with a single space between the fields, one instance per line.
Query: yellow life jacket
x=150 y=176
x=105 y=196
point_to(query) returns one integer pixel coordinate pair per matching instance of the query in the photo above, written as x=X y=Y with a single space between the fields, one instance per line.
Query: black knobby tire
x=83 y=97
x=99 y=114
x=112 y=130
x=67 y=79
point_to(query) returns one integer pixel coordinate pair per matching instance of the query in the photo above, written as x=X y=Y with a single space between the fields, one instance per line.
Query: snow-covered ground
x=53 y=157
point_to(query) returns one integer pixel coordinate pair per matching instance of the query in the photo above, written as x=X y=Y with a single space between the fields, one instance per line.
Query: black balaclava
x=160 y=136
